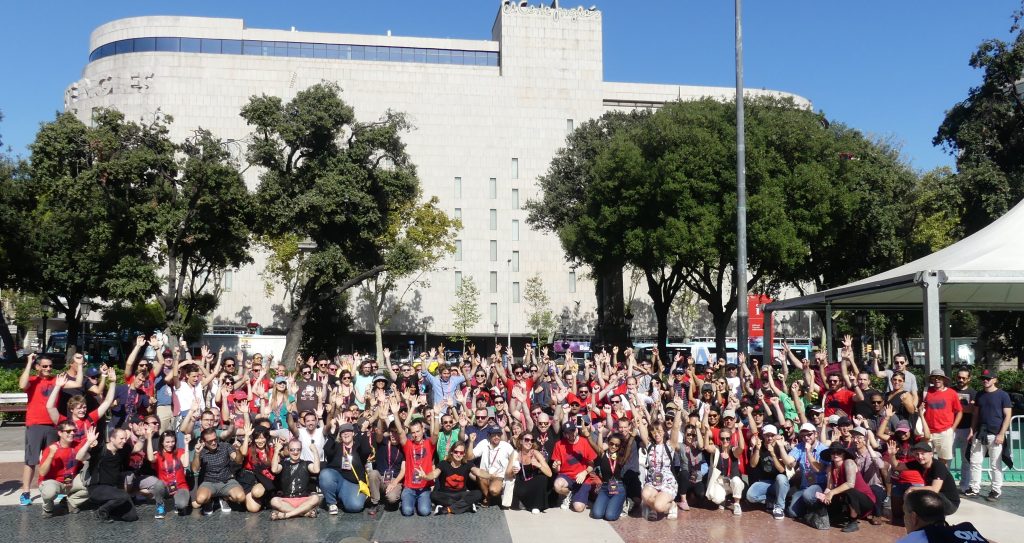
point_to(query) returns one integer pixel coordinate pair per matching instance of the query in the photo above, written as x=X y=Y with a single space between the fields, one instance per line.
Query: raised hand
x=62 y=380
x=140 y=341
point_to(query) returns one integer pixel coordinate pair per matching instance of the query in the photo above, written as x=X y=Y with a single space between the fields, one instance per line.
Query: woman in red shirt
x=169 y=463
x=847 y=491
x=256 y=479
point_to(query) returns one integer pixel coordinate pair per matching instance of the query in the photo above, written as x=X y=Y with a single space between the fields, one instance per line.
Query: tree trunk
x=379 y=340
x=721 y=321
x=74 y=323
x=610 y=306
x=7 y=343
x=293 y=336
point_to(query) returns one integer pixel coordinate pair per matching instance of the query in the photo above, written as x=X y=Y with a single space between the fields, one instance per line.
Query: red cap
x=988 y=374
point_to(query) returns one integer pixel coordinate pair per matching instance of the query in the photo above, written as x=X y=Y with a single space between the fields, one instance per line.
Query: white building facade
x=488 y=117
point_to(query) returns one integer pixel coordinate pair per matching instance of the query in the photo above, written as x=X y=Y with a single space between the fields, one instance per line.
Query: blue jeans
x=779 y=488
x=606 y=506
x=336 y=488
x=802 y=500
x=416 y=501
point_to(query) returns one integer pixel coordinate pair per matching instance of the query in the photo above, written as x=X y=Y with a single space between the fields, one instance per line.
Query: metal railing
x=1014 y=440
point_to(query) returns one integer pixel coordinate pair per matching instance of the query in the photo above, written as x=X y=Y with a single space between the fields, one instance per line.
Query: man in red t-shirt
x=59 y=467
x=39 y=429
x=419 y=453
x=943 y=414
x=838 y=397
x=573 y=459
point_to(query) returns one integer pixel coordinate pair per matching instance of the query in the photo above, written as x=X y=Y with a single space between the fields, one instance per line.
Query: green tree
x=465 y=310
x=985 y=132
x=331 y=180
x=541 y=319
x=201 y=216
x=82 y=230
x=420 y=234
x=566 y=209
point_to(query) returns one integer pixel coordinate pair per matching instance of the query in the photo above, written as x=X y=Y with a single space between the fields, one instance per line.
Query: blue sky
x=888 y=68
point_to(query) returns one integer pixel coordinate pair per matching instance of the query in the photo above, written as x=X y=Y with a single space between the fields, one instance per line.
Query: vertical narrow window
x=515 y=261
x=458 y=279
x=494 y=313
x=494 y=282
x=229 y=280
x=572 y=281
x=458 y=187
x=494 y=219
x=515 y=198
x=494 y=250
x=458 y=249
x=515 y=292
x=515 y=168
x=458 y=213
x=492 y=185
x=515 y=230
x=569 y=126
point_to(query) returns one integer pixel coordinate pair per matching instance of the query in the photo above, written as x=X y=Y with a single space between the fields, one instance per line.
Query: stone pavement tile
x=485 y=526
x=754 y=526
x=23 y=524
x=1012 y=500
x=556 y=525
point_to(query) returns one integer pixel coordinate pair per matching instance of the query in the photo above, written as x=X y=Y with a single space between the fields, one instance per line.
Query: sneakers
x=475 y=508
x=565 y=503
x=852 y=526
x=535 y=511
x=26 y=499
x=626 y=506
x=437 y=510
x=225 y=507
x=59 y=498
x=684 y=505
x=207 y=509
x=160 y=511
x=778 y=514
x=185 y=511
x=993 y=496
x=332 y=509
x=673 y=511
x=103 y=516
x=72 y=509
x=970 y=493
x=736 y=509
x=47 y=514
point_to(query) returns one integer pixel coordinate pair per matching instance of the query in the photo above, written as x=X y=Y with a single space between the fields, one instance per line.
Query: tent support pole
x=932 y=327
x=947 y=343
x=830 y=353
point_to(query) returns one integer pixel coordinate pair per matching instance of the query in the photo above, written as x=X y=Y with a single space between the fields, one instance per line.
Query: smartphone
x=579 y=420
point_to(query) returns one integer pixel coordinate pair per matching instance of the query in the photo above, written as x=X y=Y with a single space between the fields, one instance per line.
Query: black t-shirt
x=293 y=480
x=453 y=479
x=863 y=407
x=347 y=461
x=765 y=468
x=106 y=467
x=388 y=459
x=967 y=396
x=306 y=395
x=938 y=470
x=603 y=468
x=545 y=441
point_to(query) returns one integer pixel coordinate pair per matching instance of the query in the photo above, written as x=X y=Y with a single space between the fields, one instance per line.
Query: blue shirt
x=799 y=453
x=442 y=389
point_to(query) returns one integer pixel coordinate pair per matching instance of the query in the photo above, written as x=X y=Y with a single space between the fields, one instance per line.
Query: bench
x=12 y=402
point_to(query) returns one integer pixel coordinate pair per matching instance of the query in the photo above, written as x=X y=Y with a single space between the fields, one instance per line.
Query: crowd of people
x=612 y=434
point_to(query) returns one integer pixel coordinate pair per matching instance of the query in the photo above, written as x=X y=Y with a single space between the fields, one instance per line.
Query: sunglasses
x=67 y=431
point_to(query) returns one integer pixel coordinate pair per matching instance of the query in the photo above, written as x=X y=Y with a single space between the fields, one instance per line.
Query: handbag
x=715 y=490
x=364 y=486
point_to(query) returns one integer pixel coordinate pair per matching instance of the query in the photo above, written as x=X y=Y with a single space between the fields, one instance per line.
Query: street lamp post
x=565 y=328
x=46 y=308
x=741 y=198
x=508 y=306
x=495 y=334
x=84 y=306
x=628 y=317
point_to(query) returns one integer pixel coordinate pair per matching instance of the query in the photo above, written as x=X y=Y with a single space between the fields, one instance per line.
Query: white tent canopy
x=984 y=271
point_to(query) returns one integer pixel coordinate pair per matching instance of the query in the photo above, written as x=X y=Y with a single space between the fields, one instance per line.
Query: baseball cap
x=808 y=427
x=707 y=386
x=903 y=426
x=280 y=380
x=817 y=409
x=844 y=421
x=860 y=430
x=678 y=371
x=347 y=427
x=492 y=430
x=769 y=429
x=988 y=374
x=833 y=419
x=93 y=372
x=923 y=446
x=569 y=427
x=729 y=413
x=240 y=395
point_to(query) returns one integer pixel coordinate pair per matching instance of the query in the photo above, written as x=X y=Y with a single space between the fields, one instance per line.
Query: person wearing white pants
x=989 y=430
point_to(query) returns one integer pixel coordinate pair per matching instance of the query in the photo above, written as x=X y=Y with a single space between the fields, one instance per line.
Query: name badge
x=613 y=487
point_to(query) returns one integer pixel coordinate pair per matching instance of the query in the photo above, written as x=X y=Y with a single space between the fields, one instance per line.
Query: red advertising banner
x=760 y=338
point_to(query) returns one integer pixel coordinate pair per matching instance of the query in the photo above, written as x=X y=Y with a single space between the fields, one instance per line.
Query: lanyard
x=612 y=461
x=491 y=457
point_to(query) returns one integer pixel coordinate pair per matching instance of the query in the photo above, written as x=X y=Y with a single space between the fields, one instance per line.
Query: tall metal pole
x=741 y=198
x=508 y=312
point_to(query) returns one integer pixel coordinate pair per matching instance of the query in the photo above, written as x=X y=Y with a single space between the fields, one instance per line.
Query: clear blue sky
x=886 y=67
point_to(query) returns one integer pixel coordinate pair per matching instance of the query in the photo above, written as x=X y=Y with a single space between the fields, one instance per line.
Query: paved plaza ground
x=1001 y=522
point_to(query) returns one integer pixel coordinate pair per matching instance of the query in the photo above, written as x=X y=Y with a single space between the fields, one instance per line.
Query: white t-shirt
x=189 y=395
x=493 y=460
x=317 y=438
